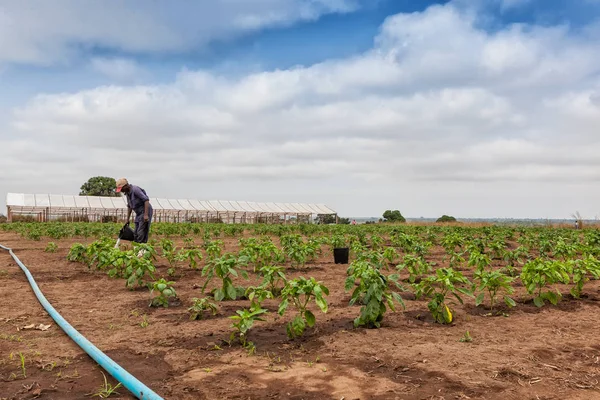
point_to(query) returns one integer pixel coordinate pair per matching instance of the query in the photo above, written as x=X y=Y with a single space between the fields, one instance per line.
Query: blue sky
x=474 y=108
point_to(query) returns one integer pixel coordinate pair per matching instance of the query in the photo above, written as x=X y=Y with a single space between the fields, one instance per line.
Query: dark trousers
x=142 y=229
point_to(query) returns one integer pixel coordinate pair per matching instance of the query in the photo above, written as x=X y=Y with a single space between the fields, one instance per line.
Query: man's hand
x=146 y=218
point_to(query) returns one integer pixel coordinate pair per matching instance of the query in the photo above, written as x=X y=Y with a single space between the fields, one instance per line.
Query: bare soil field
x=526 y=353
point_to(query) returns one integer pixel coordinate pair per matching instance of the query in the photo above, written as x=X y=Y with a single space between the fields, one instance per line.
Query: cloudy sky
x=474 y=108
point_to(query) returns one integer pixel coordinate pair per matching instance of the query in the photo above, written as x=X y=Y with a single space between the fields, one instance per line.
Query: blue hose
x=137 y=388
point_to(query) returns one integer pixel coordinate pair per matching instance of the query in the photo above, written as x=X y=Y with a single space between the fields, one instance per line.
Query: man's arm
x=129 y=210
x=146 y=209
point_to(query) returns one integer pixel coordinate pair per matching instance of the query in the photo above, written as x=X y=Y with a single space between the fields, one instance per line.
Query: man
x=138 y=201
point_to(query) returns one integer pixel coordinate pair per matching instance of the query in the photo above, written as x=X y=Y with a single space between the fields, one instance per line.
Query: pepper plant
x=273 y=278
x=300 y=292
x=539 y=273
x=244 y=320
x=224 y=268
x=438 y=287
x=372 y=291
x=201 y=305
x=581 y=271
x=192 y=255
x=165 y=291
x=493 y=282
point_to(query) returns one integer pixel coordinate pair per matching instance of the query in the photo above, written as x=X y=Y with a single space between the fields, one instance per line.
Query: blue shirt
x=136 y=199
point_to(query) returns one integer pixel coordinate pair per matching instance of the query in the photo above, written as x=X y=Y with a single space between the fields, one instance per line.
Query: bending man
x=138 y=201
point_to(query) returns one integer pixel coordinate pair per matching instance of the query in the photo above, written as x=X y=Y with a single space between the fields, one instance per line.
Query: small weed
x=106 y=390
x=466 y=338
x=207 y=370
x=145 y=321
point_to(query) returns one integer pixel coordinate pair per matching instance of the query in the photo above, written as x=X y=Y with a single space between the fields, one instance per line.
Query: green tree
x=393 y=216
x=99 y=186
x=446 y=218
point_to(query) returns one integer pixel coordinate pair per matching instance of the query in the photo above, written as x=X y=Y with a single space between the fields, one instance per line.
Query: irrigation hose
x=137 y=388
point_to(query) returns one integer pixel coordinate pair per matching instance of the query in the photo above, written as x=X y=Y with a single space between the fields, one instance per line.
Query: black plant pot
x=340 y=256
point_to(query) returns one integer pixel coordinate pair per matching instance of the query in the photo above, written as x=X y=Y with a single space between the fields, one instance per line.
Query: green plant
x=479 y=261
x=136 y=270
x=539 y=273
x=273 y=278
x=22 y=359
x=390 y=254
x=372 y=291
x=492 y=282
x=77 y=253
x=193 y=257
x=200 y=305
x=165 y=291
x=244 y=320
x=581 y=271
x=214 y=248
x=169 y=251
x=300 y=292
x=416 y=267
x=438 y=287
x=106 y=390
x=338 y=242
x=224 y=268
x=51 y=248
x=466 y=338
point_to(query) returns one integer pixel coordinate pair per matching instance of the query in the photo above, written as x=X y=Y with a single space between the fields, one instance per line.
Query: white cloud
x=439 y=117
x=43 y=32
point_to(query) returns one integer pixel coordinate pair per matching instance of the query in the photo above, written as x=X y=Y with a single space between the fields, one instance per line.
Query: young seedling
x=200 y=305
x=466 y=338
x=165 y=289
x=244 y=321
x=51 y=248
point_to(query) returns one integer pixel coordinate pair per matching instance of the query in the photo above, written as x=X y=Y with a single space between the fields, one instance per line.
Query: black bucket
x=126 y=233
x=340 y=256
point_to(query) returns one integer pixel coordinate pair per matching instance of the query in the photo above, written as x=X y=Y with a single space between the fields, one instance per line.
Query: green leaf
x=219 y=295
x=509 y=302
x=538 y=301
x=321 y=303
x=479 y=299
x=310 y=318
x=282 y=307
x=230 y=289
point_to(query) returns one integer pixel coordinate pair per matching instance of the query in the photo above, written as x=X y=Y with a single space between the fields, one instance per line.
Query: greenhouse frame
x=52 y=207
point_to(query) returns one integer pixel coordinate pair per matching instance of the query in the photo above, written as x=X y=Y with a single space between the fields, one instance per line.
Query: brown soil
x=525 y=353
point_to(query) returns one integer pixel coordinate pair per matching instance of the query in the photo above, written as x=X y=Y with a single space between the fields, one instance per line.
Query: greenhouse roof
x=26 y=202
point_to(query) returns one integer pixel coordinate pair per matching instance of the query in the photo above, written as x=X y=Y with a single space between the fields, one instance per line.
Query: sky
x=471 y=108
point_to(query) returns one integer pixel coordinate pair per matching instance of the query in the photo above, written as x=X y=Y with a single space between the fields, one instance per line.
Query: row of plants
x=369 y=280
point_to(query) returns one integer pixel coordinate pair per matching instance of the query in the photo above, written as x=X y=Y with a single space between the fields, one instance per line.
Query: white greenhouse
x=51 y=207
